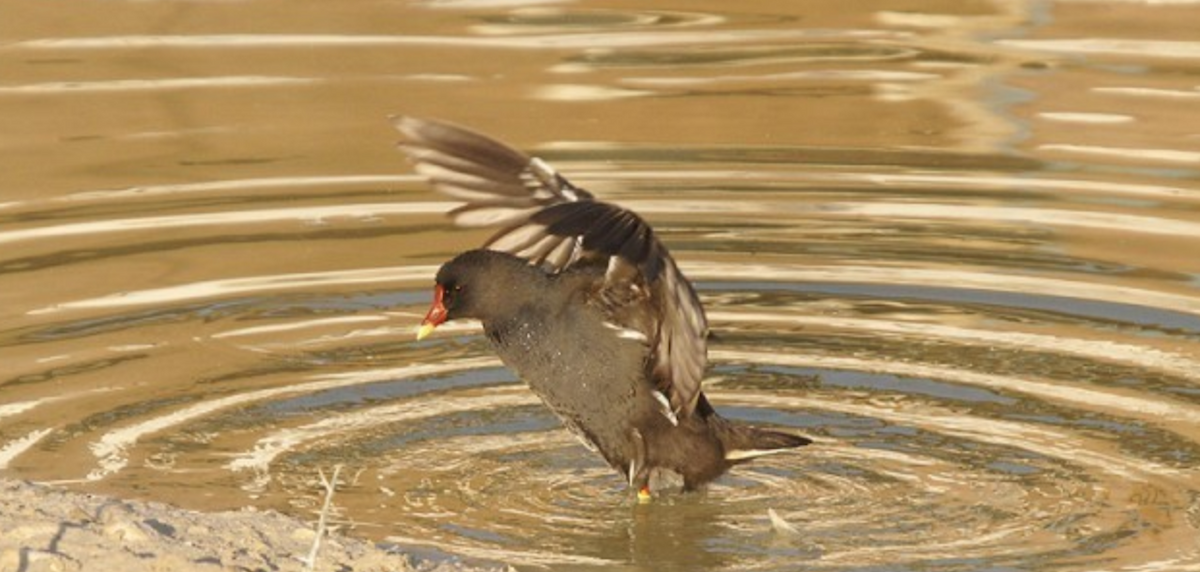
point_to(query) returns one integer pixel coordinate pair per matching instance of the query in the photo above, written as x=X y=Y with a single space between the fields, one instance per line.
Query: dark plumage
x=580 y=298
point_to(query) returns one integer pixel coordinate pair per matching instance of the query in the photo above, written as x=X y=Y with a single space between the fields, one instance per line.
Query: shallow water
x=953 y=242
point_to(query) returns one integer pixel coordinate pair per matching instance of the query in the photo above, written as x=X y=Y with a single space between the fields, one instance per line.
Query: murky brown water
x=955 y=242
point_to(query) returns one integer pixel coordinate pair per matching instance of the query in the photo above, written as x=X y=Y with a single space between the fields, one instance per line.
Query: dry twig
x=330 y=486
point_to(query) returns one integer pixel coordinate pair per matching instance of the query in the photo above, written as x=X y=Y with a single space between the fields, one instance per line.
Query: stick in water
x=330 y=486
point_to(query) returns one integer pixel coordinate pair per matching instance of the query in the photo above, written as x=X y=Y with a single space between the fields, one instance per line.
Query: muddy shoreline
x=48 y=528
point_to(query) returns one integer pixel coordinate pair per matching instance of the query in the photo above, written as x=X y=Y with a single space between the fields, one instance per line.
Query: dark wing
x=547 y=220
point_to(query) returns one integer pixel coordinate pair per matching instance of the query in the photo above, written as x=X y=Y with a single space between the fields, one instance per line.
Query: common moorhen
x=580 y=298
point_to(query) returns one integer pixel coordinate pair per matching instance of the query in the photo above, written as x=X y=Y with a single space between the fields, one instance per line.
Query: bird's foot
x=644 y=495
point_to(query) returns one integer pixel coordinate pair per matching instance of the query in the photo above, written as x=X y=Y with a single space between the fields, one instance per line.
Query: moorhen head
x=584 y=303
x=485 y=285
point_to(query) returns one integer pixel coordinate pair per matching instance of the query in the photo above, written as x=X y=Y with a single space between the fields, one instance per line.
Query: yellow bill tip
x=424 y=331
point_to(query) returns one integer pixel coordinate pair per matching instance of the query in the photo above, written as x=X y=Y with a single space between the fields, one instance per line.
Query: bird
x=583 y=302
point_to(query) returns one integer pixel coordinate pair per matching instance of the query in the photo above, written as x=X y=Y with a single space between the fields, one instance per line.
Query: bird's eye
x=451 y=291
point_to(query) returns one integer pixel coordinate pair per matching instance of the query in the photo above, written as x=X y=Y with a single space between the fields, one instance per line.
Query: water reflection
x=952 y=243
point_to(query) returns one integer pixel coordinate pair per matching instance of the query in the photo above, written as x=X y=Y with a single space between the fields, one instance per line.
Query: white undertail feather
x=742 y=454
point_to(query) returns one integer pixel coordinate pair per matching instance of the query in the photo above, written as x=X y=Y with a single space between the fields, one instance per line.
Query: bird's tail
x=745 y=442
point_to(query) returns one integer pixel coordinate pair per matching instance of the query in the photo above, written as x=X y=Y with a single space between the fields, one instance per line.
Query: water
x=955 y=243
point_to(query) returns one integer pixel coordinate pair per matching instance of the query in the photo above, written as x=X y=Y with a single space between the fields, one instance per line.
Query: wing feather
x=548 y=221
x=490 y=214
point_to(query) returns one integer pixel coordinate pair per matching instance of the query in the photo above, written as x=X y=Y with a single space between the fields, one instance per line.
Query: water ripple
x=994 y=348
x=127 y=85
x=543 y=41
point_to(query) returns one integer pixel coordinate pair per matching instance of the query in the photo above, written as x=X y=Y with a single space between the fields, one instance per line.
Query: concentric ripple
x=893 y=479
x=965 y=415
x=952 y=245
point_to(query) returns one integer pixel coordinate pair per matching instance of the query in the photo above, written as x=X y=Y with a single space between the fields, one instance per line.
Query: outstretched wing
x=547 y=220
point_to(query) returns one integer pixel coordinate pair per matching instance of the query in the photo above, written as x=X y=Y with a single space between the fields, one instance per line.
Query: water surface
x=953 y=242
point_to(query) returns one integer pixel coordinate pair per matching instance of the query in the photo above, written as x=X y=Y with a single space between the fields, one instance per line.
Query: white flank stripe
x=626 y=333
x=632 y=335
x=666 y=407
